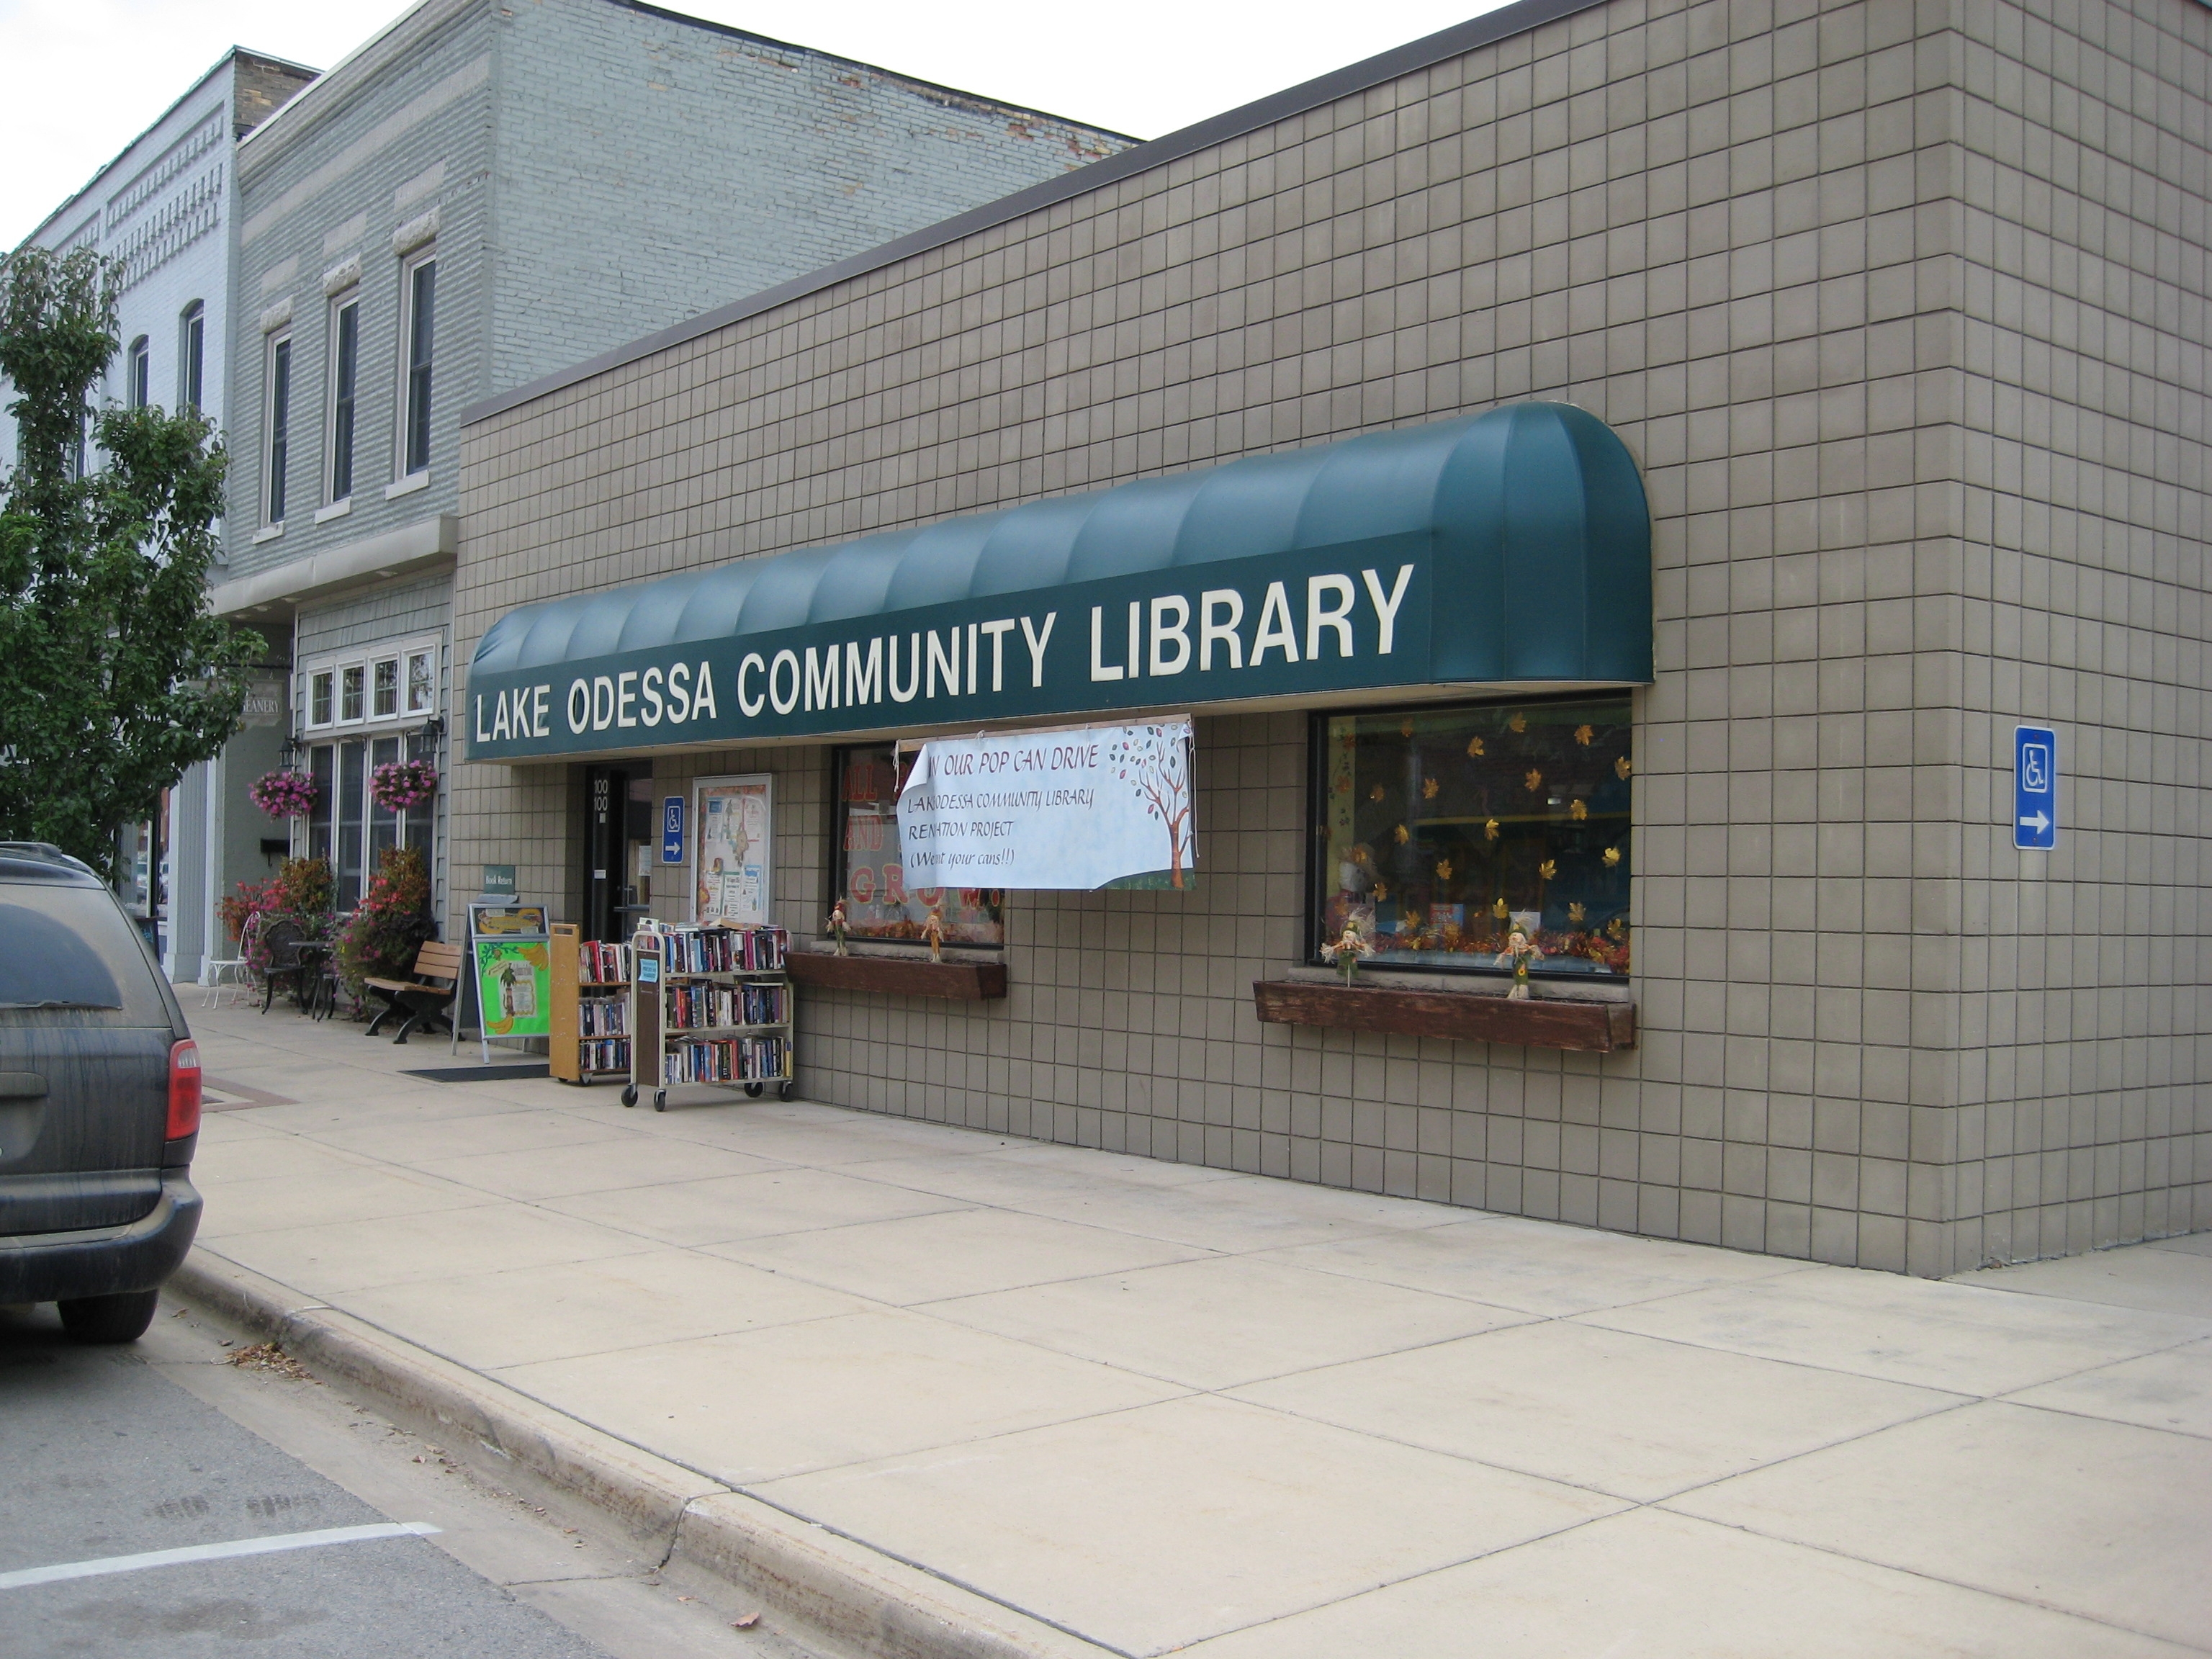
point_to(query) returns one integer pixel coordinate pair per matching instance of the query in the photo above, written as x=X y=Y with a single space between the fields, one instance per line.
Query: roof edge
x=938 y=88
x=230 y=54
x=1461 y=38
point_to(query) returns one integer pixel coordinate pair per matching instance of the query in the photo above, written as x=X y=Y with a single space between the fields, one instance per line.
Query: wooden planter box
x=962 y=981
x=1599 y=1027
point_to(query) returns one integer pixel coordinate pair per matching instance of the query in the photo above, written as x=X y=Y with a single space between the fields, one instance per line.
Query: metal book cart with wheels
x=709 y=1006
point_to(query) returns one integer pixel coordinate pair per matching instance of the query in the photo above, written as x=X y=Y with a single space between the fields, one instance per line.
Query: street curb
x=831 y=1585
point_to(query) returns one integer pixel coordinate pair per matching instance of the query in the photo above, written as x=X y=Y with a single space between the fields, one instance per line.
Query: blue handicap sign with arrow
x=2035 y=788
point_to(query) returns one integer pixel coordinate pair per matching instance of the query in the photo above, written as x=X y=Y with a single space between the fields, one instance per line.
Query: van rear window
x=71 y=949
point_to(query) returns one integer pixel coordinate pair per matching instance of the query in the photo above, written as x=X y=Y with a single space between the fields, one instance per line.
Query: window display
x=1489 y=838
x=870 y=880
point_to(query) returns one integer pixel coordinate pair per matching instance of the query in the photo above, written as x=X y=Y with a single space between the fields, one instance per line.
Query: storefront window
x=877 y=904
x=1438 y=830
x=348 y=826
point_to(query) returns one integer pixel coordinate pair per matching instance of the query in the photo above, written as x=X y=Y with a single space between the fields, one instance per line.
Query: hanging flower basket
x=399 y=785
x=283 y=794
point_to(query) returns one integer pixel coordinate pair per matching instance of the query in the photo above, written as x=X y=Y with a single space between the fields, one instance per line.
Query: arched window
x=191 y=356
x=136 y=387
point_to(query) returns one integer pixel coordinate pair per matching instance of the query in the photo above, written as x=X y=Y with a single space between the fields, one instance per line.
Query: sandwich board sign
x=2035 y=788
x=507 y=983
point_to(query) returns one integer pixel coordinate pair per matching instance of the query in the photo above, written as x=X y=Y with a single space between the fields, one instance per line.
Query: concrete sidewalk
x=1158 y=1408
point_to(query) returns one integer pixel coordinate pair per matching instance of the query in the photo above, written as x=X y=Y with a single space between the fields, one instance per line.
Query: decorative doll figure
x=1519 y=952
x=933 y=929
x=1346 y=949
x=837 y=925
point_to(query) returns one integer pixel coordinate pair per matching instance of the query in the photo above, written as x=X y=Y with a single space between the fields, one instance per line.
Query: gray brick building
x=1899 y=311
x=477 y=195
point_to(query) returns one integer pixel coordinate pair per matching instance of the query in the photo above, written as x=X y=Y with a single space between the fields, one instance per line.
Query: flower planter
x=961 y=981
x=284 y=794
x=1545 y=1022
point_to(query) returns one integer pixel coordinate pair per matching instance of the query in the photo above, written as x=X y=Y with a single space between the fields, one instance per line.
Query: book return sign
x=1066 y=811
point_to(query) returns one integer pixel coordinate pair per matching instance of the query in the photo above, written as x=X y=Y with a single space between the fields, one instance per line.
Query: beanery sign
x=1299 y=623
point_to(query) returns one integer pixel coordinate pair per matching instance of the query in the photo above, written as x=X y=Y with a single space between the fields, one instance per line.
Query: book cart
x=709 y=1006
x=589 y=1034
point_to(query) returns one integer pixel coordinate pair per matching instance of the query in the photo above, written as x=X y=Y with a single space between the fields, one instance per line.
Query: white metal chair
x=234 y=971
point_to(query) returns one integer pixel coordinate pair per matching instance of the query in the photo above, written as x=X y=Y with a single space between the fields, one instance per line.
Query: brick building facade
x=1899 y=309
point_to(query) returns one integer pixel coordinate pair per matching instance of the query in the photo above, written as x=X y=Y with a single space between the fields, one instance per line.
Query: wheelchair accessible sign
x=2035 y=788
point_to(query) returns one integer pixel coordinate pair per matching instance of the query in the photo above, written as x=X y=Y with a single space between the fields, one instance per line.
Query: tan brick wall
x=1900 y=501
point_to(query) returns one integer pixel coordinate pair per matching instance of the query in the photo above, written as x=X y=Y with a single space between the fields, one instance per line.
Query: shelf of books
x=709 y=1006
x=590 y=1019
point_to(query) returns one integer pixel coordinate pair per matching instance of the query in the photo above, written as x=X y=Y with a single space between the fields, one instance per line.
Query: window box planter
x=1545 y=1023
x=961 y=981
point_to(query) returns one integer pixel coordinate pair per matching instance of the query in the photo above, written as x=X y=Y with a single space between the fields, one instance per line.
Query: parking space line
x=285 y=1540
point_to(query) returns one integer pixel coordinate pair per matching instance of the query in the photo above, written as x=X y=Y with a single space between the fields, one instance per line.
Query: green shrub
x=393 y=920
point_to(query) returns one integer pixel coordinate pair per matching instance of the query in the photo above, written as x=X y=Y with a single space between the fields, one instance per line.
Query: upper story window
x=191 y=356
x=137 y=390
x=344 y=374
x=385 y=683
x=1439 y=831
x=277 y=453
x=422 y=681
x=418 y=335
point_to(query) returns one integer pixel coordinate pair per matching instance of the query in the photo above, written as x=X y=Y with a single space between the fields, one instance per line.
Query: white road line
x=284 y=1541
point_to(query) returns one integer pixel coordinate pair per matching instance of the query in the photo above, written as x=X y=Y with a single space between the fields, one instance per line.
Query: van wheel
x=109 y=1318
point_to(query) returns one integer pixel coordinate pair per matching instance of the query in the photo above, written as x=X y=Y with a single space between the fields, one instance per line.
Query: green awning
x=1513 y=547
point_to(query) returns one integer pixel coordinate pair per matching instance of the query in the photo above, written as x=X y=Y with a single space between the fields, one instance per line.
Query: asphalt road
x=107 y=1452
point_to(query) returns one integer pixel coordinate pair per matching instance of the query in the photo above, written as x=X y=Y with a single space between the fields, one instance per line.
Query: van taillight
x=184 y=1090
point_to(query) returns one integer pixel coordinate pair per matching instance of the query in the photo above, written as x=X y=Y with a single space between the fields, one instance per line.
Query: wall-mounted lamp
x=289 y=751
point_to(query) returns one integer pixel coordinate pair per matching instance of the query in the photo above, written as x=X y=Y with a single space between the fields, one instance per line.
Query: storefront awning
x=1512 y=547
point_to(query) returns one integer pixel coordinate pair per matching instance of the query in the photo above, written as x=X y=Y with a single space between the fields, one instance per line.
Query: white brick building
x=165 y=208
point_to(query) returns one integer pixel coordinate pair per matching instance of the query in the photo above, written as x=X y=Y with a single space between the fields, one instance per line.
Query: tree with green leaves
x=114 y=677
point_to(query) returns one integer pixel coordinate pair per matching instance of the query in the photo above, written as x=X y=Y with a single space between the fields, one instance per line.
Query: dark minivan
x=99 y=1103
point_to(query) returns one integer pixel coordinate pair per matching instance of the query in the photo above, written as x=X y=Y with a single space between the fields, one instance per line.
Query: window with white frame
x=191 y=356
x=278 y=417
x=343 y=376
x=390 y=681
x=363 y=709
x=417 y=345
x=136 y=391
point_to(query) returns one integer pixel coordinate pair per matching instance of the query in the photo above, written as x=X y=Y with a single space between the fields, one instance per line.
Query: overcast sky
x=84 y=77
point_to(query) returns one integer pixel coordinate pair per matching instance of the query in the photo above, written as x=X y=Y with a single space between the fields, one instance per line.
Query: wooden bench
x=425 y=998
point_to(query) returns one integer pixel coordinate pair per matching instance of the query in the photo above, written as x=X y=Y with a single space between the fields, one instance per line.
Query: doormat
x=479 y=1073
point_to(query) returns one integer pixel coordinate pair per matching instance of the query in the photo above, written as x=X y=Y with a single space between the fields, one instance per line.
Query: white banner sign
x=1050 y=809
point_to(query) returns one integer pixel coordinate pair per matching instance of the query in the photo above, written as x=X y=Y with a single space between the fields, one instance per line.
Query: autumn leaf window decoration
x=1445 y=833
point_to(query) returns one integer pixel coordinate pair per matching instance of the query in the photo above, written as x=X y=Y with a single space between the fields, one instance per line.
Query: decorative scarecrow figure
x=1519 y=953
x=1346 y=949
x=933 y=929
x=837 y=925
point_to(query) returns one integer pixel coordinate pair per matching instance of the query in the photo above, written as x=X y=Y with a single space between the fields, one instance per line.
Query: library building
x=1602 y=617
